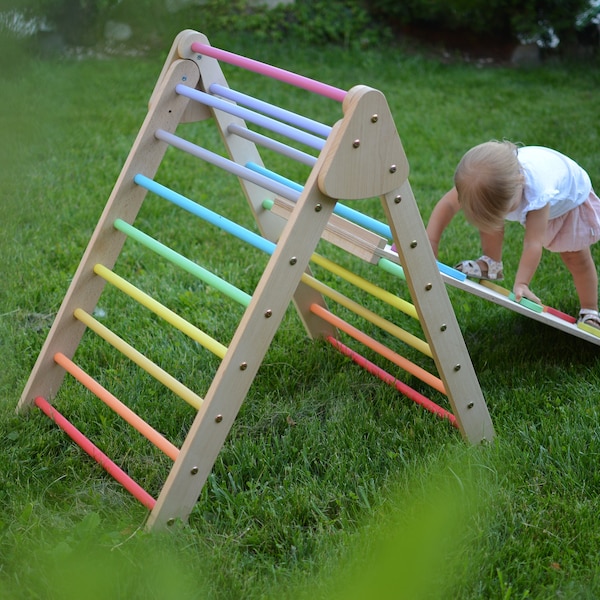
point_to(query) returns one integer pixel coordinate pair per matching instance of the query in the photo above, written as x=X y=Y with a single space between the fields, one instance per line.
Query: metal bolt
x=393 y=168
x=318 y=208
x=443 y=327
x=457 y=367
x=243 y=366
x=398 y=199
x=413 y=244
x=170 y=522
x=293 y=260
x=356 y=143
x=194 y=470
x=428 y=286
x=268 y=313
x=471 y=405
x=184 y=78
x=218 y=418
x=374 y=118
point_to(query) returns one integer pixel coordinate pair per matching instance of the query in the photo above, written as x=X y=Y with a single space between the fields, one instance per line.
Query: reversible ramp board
x=497 y=294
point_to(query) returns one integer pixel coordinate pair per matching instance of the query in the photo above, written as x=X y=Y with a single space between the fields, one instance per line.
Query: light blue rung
x=341 y=210
x=209 y=216
x=451 y=272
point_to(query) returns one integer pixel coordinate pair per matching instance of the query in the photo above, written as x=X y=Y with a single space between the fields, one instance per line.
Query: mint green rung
x=527 y=303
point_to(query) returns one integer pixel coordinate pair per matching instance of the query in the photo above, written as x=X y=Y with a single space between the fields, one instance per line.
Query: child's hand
x=521 y=290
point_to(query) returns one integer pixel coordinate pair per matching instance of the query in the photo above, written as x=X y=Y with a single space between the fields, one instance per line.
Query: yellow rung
x=162 y=311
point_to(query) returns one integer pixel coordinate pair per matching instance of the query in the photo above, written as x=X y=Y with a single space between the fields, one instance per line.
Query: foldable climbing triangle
x=360 y=157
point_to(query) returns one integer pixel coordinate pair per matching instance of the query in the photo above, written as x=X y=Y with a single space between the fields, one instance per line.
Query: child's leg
x=491 y=243
x=582 y=268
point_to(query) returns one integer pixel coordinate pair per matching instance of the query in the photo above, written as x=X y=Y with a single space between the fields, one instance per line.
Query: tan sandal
x=472 y=269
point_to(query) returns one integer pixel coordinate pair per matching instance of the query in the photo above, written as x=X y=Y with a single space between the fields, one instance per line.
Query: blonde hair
x=488 y=180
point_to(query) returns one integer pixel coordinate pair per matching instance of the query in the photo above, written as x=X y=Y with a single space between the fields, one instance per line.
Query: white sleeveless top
x=550 y=178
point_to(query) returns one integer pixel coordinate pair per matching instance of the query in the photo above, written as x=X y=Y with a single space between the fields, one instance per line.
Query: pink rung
x=108 y=465
x=250 y=64
x=409 y=392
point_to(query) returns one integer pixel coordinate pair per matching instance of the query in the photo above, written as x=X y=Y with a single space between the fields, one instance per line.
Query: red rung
x=560 y=314
x=108 y=465
x=409 y=392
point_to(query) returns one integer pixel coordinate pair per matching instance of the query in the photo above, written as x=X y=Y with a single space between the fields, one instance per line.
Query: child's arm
x=441 y=216
x=535 y=230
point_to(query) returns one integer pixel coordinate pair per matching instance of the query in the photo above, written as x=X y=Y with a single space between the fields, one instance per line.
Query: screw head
x=393 y=168
x=398 y=199
x=194 y=470
x=218 y=418
x=243 y=366
x=428 y=287
x=413 y=244
x=374 y=118
x=356 y=143
x=293 y=260
x=268 y=313
x=318 y=207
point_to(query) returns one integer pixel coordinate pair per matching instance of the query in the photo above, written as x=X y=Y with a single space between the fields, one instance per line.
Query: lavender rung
x=248 y=115
x=227 y=165
x=271 y=144
x=271 y=110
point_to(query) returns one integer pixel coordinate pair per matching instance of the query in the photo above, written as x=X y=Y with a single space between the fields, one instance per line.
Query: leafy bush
x=81 y=22
x=510 y=19
x=78 y=21
x=317 y=21
x=347 y=22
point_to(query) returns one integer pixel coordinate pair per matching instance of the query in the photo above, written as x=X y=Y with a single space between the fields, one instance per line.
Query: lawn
x=330 y=484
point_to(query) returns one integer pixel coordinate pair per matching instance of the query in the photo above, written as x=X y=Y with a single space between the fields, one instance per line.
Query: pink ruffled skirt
x=576 y=230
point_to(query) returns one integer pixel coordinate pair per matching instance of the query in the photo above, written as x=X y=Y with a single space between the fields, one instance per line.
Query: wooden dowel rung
x=139 y=359
x=117 y=406
x=391 y=380
x=369 y=342
x=87 y=446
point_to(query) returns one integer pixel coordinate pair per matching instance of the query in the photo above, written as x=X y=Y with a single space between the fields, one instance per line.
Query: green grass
x=330 y=484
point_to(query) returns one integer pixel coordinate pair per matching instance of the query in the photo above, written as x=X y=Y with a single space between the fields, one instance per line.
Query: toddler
x=545 y=191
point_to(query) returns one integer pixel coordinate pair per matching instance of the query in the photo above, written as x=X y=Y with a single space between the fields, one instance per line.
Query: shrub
x=510 y=19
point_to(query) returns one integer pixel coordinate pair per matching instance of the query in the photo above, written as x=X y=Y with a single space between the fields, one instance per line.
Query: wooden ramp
x=502 y=296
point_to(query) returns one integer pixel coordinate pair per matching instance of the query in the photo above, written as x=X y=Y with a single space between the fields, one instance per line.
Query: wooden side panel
x=352 y=238
x=437 y=316
x=106 y=242
x=366 y=158
x=243 y=359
